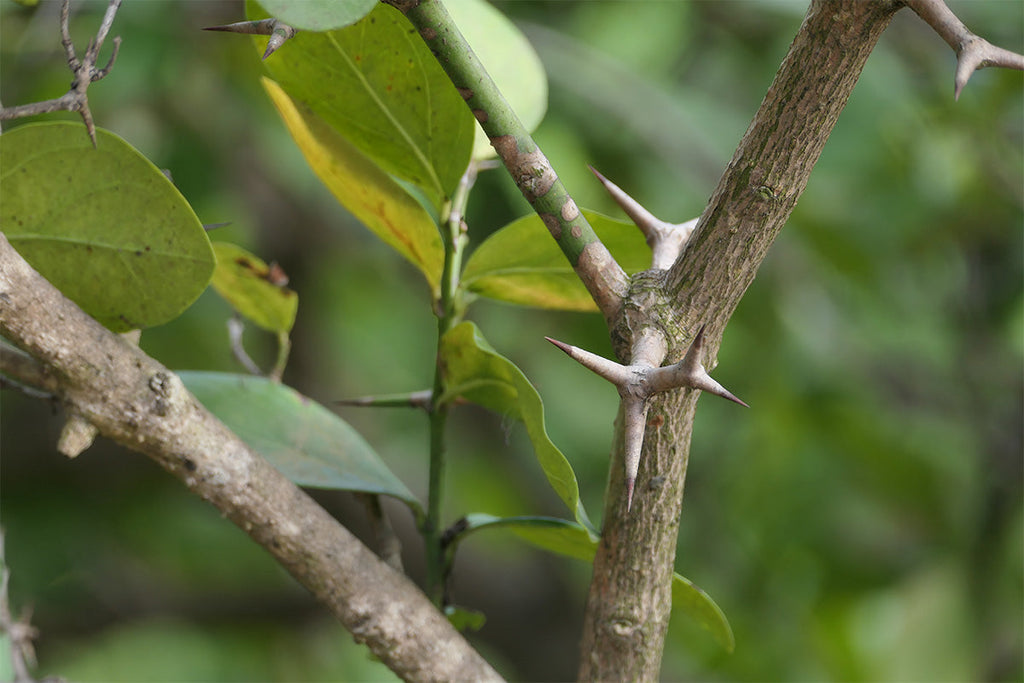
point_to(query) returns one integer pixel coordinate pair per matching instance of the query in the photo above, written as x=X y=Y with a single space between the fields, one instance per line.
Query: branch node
x=84 y=71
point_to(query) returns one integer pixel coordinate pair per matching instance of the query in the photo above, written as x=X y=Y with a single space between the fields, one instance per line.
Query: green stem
x=284 y=347
x=449 y=310
x=529 y=168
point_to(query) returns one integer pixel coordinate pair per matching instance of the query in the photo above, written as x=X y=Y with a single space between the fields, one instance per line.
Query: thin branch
x=972 y=51
x=20 y=632
x=235 y=330
x=139 y=403
x=529 y=168
x=85 y=73
x=414 y=399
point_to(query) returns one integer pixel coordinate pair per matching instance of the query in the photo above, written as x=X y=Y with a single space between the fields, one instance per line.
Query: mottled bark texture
x=630 y=596
x=137 y=402
x=530 y=169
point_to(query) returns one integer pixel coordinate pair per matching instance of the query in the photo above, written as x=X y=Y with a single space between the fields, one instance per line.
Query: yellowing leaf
x=369 y=193
x=377 y=85
x=247 y=283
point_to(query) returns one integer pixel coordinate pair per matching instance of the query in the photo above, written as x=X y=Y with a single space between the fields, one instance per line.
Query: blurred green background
x=862 y=522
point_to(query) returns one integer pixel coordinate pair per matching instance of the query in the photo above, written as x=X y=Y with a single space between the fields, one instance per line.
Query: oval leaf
x=365 y=190
x=247 y=283
x=478 y=373
x=103 y=225
x=521 y=264
x=318 y=15
x=310 y=445
x=510 y=61
x=377 y=84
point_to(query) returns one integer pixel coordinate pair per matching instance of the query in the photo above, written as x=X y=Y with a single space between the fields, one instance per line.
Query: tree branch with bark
x=665 y=323
x=137 y=402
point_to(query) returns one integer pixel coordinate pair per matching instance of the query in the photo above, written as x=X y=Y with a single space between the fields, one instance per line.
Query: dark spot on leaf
x=138 y=252
x=656 y=421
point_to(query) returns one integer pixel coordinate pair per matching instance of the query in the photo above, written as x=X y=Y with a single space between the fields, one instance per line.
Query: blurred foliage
x=862 y=522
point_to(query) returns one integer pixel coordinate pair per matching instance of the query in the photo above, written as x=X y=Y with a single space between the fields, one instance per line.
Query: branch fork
x=84 y=70
x=637 y=383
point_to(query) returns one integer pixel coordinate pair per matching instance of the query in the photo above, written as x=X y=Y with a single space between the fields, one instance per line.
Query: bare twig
x=20 y=632
x=85 y=73
x=235 y=329
x=278 y=31
x=972 y=51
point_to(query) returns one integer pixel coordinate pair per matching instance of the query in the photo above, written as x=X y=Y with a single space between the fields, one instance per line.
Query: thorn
x=261 y=27
x=282 y=33
x=650 y=225
x=415 y=399
x=666 y=240
x=635 y=418
x=690 y=372
x=278 y=31
x=615 y=373
x=698 y=374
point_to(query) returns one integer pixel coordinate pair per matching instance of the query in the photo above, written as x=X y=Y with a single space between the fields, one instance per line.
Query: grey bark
x=142 y=405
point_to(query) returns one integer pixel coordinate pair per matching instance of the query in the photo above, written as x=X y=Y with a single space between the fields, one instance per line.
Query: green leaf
x=521 y=264
x=103 y=225
x=510 y=60
x=318 y=15
x=478 y=373
x=377 y=85
x=695 y=603
x=246 y=282
x=559 y=536
x=310 y=445
x=364 y=189
x=465 y=619
x=563 y=537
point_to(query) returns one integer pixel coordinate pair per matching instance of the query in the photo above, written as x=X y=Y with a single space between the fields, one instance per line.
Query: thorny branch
x=85 y=73
x=638 y=382
x=972 y=52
